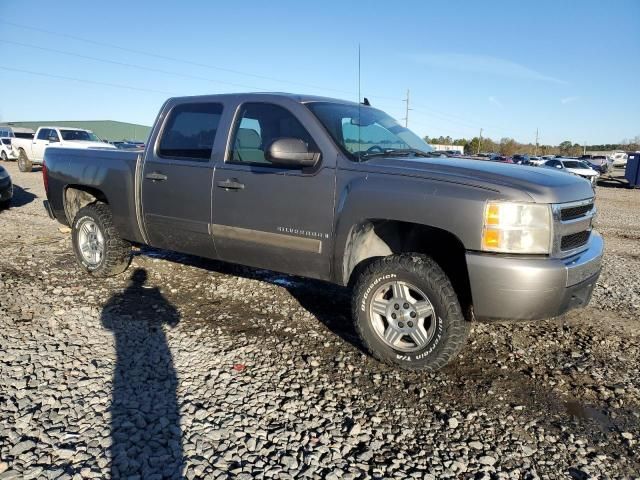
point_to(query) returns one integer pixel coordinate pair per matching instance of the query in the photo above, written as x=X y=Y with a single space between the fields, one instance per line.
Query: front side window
x=259 y=125
x=363 y=132
x=43 y=134
x=53 y=136
x=190 y=131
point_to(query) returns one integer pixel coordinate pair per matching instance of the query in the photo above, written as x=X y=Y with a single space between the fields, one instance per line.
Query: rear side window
x=190 y=131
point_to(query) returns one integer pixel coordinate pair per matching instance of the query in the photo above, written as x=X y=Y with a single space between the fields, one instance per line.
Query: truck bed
x=112 y=172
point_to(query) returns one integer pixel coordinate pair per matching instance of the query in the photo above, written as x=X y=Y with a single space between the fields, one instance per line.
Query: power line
x=125 y=64
x=167 y=57
x=73 y=79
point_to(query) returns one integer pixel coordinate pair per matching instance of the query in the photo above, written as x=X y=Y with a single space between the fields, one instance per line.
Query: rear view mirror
x=291 y=152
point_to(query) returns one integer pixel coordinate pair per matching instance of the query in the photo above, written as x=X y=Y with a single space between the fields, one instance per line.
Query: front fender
x=453 y=207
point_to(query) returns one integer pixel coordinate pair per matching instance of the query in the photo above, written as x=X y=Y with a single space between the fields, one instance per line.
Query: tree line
x=508 y=146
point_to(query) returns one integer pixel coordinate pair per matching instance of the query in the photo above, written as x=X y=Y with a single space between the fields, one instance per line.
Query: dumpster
x=632 y=172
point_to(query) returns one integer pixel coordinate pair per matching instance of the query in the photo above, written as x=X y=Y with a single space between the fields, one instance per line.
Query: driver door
x=270 y=216
x=41 y=142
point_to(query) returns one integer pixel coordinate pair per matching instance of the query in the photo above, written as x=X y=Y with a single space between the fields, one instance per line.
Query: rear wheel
x=24 y=164
x=4 y=156
x=99 y=249
x=407 y=313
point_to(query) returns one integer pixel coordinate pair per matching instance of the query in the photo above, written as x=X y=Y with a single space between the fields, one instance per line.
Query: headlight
x=516 y=228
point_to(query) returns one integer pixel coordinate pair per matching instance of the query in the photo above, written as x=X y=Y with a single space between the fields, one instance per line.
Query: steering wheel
x=375 y=148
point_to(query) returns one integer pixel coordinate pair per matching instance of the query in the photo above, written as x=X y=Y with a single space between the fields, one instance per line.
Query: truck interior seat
x=248 y=146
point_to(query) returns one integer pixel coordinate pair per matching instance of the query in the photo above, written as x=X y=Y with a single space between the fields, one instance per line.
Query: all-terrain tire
x=24 y=164
x=450 y=329
x=116 y=252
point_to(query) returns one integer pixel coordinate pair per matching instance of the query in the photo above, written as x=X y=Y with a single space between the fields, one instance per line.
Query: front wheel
x=98 y=248
x=4 y=156
x=407 y=313
x=24 y=164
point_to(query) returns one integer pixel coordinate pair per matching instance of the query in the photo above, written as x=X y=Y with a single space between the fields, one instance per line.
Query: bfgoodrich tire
x=407 y=313
x=99 y=249
x=24 y=164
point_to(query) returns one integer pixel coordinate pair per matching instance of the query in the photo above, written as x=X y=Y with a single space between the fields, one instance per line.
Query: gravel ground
x=182 y=367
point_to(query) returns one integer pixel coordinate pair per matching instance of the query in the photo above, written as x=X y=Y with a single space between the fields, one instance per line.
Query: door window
x=43 y=134
x=190 y=131
x=259 y=125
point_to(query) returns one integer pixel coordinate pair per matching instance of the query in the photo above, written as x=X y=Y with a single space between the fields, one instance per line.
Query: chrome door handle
x=156 y=176
x=231 y=184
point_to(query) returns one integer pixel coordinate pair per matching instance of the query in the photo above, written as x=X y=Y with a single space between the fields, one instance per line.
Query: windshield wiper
x=396 y=152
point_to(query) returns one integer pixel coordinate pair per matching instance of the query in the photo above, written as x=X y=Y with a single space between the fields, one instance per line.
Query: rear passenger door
x=271 y=216
x=176 y=179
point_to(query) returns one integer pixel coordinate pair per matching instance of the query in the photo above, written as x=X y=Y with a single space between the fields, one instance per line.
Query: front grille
x=572 y=213
x=575 y=240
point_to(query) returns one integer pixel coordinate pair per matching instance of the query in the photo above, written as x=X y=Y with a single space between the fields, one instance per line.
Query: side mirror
x=558 y=166
x=291 y=152
x=53 y=139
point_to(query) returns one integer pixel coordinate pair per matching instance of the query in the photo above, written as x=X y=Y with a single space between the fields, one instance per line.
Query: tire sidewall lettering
x=372 y=285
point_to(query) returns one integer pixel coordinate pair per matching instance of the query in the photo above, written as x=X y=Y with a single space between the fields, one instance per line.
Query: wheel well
x=373 y=239
x=79 y=196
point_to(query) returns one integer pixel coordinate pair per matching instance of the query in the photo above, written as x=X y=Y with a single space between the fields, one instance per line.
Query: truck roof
x=301 y=98
x=65 y=128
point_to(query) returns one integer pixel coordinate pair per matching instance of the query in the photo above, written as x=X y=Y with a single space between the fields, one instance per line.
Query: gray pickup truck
x=338 y=191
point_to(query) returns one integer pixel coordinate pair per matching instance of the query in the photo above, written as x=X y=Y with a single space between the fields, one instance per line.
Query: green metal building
x=105 y=129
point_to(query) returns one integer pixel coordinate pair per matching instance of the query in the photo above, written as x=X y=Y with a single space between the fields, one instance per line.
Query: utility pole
x=584 y=148
x=536 y=142
x=479 y=142
x=406 y=114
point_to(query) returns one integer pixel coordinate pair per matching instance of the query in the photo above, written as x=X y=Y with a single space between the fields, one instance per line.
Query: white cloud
x=568 y=100
x=483 y=64
x=495 y=101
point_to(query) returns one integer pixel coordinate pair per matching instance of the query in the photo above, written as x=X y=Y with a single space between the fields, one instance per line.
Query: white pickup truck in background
x=31 y=152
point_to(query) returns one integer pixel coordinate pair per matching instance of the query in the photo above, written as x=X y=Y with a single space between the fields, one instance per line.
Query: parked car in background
x=521 y=159
x=536 y=161
x=575 y=167
x=619 y=159
x=420 y=239
x=122 y=145
x=33 y=153
x=600 y=163
x=6 y=188
x=6 y=149
x=138 y=143
x=500 y=158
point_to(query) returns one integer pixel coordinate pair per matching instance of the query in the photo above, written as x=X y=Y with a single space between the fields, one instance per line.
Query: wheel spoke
x=379 y=307
x=419 y=336
x=423 y=308
x=400 y=291
x=391 y=335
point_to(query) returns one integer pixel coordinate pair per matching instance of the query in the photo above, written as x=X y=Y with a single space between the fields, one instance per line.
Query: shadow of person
x=146 y=440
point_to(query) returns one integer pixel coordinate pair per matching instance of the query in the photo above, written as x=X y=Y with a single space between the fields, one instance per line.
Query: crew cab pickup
x=32 y=152
x=338 y=191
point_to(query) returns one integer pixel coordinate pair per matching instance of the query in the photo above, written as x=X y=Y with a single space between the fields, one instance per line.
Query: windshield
x=73 y=135
x=573 y=164
x=362 y=131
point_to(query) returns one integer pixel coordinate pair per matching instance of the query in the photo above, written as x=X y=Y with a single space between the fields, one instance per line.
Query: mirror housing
x=291 y=152
x=558 y=166
x=53 y=139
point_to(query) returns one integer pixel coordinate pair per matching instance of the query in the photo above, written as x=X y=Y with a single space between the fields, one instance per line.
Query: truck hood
x=541 y=185
x=85 y=144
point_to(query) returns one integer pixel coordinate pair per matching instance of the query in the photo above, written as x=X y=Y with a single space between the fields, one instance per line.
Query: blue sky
x=570 y=69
